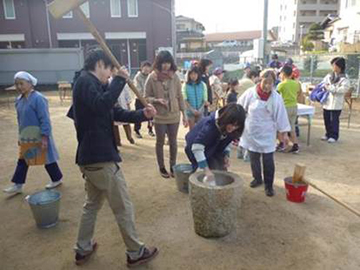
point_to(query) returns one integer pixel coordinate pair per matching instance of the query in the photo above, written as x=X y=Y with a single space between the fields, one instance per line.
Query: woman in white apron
x=266 y=115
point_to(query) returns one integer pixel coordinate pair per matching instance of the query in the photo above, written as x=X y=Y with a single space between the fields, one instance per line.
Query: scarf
x=164 y=75
x=262 y=95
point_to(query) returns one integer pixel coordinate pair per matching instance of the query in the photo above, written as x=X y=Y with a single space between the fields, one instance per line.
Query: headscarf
x=23 y=75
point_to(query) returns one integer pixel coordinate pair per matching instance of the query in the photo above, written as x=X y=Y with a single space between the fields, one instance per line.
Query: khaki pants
x=105 y=180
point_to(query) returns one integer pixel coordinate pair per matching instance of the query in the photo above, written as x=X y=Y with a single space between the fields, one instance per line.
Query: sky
x=228 y=15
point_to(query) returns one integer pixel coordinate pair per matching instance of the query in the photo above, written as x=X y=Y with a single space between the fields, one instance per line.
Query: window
x=68 y=15
x=86 y=9
x=132 y=8
x=9 y=9
x=180 y=26
x=115 y=7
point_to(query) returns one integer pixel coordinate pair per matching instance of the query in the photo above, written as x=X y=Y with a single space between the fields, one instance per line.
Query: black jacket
x=93 y=112
x=206 y=79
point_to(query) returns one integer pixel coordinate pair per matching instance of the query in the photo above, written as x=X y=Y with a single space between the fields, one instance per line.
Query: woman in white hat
x=34 y=127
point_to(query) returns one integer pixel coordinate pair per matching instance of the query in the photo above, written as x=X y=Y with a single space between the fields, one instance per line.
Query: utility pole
x=265 y=31
x=48 y=23
x=171 y=11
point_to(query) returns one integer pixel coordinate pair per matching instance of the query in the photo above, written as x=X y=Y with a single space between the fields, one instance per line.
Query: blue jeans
x=332 y=123
x=22 y=168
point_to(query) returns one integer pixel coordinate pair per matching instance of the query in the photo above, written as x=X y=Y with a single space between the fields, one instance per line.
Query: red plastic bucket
x=295 y=192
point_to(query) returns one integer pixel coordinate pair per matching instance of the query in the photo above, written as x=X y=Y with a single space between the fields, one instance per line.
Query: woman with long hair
x=163 y=90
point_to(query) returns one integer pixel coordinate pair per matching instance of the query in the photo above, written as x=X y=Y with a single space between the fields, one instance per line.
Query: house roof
x=329 y=20
x=245 y=35
x=184 y=18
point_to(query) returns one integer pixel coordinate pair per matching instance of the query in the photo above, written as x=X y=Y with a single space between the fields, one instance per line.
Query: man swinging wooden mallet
x=97 y=155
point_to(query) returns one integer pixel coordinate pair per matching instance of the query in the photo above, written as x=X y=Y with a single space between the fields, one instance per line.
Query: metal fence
x=48 y=65
x=315 y=67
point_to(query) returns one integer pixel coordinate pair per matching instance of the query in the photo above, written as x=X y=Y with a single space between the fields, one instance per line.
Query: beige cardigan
x=170 y=90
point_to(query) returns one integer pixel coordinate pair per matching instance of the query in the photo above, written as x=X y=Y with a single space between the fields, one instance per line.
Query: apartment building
x=296 y=16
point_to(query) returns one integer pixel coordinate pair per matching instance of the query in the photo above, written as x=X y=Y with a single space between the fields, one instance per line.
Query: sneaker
x=255 y=183
x=138 y=135
x=81 y=259
x=269 y=192
x=151 y=133
x=52 y=184
x=331 y=140
x=164 y=173
x=324 y=138
x=149 y=254
x=14 y=189
x=295 y=149
x=280 y=147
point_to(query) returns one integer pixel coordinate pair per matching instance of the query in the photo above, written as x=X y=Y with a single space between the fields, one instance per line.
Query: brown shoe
x=81 y=259
x=149 y=254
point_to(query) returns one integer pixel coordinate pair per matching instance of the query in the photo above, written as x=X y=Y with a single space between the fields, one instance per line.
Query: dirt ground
x=271 y=233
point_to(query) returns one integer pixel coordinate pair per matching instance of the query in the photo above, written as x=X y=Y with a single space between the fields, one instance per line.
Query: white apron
x=264 y=119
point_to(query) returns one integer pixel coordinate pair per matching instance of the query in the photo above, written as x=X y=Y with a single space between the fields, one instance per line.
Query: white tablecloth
x=305 y=110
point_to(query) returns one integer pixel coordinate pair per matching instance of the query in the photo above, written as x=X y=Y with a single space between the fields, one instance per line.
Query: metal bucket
x=182 y=173
x=45 y=207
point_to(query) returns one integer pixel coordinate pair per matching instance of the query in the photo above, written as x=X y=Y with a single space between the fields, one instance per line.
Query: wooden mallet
x=298 y=177
x=58 y=8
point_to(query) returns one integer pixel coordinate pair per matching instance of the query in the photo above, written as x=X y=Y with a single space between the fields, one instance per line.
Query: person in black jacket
x=93 y=112
x=205 y=65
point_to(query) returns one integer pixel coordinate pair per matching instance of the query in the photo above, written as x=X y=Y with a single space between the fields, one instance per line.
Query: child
x=34 y=126
x=249 y=80
x=139 y=81
x=290 y=91
x=207 y=144
x=195 y=96
x=124 y=102
x=232 y=95
x=218 y=92
x=205 y=65
x=266 y=115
